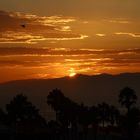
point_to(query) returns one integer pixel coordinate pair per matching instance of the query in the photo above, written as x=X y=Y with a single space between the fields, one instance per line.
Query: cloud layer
x=33 y=46
x=57 y=62
x=16 y=27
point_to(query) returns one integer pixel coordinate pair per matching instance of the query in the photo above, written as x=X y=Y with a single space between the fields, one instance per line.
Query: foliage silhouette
x=130 y=122
x=24 y=115
x=114 y=114
x=94 y=120
x=84 y=115
x=66 y=109
x=103 y=110
x=73 y=121
x=127 y=98
x=3 y=117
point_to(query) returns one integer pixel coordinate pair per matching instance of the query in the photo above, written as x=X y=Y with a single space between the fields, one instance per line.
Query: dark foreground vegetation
x=21 y=119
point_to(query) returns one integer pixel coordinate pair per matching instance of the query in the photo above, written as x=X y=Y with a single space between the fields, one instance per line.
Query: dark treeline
x=21 y=119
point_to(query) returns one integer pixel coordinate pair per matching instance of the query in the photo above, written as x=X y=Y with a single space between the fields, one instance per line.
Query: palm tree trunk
x=103 y=123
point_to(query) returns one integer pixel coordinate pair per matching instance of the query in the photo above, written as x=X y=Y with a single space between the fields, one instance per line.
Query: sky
x=51 y=38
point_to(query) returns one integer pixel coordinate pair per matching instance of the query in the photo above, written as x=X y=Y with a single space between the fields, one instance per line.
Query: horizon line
x=77 y=75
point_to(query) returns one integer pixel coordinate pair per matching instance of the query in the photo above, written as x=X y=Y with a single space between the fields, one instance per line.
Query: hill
x=81 y=88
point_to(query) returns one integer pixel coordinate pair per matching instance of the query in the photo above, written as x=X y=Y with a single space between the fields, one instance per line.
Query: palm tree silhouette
x=132 y=119
x=113 y=115
x=130 y=122
x=94 y=120
x=55 y=100
x=3 y=117
x=21 y=112
x=66 y=110
x=103 y=112
x=84 y=119
x=127 y=98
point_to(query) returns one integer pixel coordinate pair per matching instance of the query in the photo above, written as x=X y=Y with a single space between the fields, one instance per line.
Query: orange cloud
x=36 y=28
x=135 y=35
x=57 y=62
x=100 y=35
x=119 y=20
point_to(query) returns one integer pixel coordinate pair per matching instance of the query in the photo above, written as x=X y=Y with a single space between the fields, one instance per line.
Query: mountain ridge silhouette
x=81 y=88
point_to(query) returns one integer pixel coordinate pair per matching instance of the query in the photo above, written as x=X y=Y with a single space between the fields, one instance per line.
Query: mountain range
x=89 y=90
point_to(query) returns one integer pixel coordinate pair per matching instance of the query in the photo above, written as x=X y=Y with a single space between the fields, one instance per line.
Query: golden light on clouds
x=66 y=44
x=36 y=28
x=101 y=35
x=120 y=21
x=135 y=35
x=27 y=63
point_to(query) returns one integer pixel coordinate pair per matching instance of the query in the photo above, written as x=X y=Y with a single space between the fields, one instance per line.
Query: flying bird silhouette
x=23 y=25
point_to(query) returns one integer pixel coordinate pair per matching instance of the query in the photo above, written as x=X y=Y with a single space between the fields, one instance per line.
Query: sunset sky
x=56 y=38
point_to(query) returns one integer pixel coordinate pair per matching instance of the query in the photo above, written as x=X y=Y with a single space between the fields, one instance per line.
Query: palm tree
x=53 y=130
x=103 y=112
x=66 y=110
x=55 y=100
x=3 y=117
x=127 y=98
x=130 y=122
x=113 y=115
x=21 y=112
x=94 y=120
x=133 y=121
x=94 y=115
x=84 y=119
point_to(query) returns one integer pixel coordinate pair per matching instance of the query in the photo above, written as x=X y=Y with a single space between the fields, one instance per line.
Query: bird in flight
x=23 y=25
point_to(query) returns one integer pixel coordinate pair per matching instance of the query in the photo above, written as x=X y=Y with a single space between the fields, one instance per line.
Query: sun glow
x=72 y=74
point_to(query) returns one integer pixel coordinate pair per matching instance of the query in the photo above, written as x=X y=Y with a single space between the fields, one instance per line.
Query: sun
x=72 y=74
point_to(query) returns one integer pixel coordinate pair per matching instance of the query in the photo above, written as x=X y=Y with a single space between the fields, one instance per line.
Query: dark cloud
x=36 y=28
x=83 y=58
x=67 y=51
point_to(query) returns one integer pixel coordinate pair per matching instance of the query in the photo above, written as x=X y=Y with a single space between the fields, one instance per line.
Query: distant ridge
x=77 y=76
x=81 y=88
